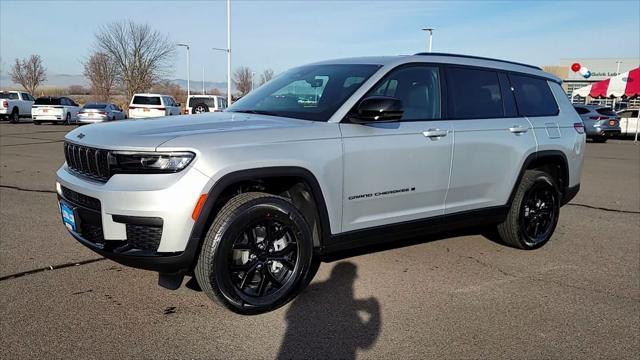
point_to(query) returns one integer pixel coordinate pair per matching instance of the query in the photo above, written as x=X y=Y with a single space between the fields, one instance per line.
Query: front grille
x=88 y=162
x=92 y=232
x=144 y=237
x=80 y=199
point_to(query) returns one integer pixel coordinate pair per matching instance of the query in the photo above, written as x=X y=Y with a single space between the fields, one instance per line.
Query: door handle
x=517 y=129
x=433 y=133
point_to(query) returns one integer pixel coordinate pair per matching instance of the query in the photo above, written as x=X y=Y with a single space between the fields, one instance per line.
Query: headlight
x=150 y=162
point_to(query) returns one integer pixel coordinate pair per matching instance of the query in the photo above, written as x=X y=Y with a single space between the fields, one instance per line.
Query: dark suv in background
x=600 y=122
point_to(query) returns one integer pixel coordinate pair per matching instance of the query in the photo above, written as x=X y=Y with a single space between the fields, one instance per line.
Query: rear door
x=398 y=171
x=491 y=140
x=537 y=103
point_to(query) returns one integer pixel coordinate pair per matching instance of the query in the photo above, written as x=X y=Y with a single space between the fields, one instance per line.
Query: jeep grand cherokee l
x=325 y=157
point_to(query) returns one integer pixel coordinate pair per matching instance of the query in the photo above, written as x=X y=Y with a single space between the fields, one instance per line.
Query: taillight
x=598 y=118
x=5 y=104
x=102 y=113
x=161 y=109
x=579 y=127
x=132 y=107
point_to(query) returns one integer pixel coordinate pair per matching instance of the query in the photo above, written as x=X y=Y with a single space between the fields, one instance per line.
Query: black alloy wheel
x=538 y=213
x=257 y=255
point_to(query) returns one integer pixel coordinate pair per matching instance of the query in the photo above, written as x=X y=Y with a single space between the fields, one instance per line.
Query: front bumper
x=135 y=202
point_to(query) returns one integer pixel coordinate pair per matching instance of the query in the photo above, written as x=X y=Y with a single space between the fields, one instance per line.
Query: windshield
x=95 y=106
x=311 y=92
x=146 y=100
x=47 y=101
x=10 y=96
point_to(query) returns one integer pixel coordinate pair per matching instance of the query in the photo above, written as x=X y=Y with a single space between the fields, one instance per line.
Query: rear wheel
x=36 y=122
x=600 y=139
x=15 y=116
x=67 y=119
x=534 y=212
x=257 y=255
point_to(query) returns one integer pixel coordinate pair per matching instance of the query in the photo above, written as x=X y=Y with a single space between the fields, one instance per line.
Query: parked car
x=152 y=105
x=197 y=104
x=99 y=112
x=55 y=109
x=628 y=121
x=249 y=200
x=15 y=105
x=600 y=122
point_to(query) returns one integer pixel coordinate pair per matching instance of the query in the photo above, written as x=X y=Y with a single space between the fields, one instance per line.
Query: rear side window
x=533 y=96
x=146 y=100
x=474 y=93
x=47 y=101
x=606 y=111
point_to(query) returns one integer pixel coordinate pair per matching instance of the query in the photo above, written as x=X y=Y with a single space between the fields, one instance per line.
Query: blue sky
x=281 y=34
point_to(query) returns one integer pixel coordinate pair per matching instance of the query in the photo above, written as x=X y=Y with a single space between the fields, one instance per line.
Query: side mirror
x=178 y=104
x=377 y=108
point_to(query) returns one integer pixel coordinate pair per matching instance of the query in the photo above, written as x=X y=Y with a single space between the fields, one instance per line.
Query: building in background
x=601 y=69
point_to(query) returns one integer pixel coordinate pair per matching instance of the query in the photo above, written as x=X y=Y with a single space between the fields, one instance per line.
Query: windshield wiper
x=260 y=112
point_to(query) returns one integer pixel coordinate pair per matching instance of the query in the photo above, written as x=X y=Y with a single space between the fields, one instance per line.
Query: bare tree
x=102 y=74
x=29 y=72
x=214 y=91
x=266 y=76
x=142 y=55
x=172 y=89
x=243 y=78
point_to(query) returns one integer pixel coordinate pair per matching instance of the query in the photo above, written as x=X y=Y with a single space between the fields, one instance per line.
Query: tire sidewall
x=222 y=238
x=544 y=180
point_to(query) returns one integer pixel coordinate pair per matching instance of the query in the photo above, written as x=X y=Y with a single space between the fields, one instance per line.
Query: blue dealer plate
x=68 y=218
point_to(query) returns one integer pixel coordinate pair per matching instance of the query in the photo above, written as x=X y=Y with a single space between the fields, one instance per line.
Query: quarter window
x=533 y=96
x=474 y=93
x=418 y=87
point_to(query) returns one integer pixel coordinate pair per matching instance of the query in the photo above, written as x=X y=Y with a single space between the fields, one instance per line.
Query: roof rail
x=479 y=58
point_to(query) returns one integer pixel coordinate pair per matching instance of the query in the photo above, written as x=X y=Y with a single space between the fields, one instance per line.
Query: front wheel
x=257 y=255
x=534 y=212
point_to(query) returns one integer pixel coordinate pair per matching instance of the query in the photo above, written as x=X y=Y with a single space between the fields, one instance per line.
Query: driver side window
x=418 y=87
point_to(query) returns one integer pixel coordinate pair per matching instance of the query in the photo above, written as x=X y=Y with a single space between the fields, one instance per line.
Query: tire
x=257 y=254
x=600 y=139
x=534 y=212
x=67 y=119
x=200 y=108
x=15 y=116
x=36 y=122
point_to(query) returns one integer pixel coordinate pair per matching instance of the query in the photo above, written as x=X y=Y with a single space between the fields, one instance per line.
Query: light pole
x=228 y=51
x=188 y=71
x=430 y=30
x=253 y=74
x=203 y=80
x=618 y=67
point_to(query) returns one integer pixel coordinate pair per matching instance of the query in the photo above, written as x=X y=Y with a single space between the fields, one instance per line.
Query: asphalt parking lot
x=457 y=296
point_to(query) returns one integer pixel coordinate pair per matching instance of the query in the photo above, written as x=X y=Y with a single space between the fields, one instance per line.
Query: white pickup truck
x=15 y=105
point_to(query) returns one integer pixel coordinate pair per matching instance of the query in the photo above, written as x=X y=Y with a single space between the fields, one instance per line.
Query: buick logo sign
x=80 y=136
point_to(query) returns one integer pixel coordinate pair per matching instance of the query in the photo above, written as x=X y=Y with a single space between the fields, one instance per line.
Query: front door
x=398 y=171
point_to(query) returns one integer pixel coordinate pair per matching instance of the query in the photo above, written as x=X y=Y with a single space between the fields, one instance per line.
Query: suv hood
x=148 y=134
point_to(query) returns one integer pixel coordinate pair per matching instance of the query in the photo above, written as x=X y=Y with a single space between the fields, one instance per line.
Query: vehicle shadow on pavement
x=327 y=322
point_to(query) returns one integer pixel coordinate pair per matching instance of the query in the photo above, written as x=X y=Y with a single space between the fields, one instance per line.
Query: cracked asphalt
x=456 y=295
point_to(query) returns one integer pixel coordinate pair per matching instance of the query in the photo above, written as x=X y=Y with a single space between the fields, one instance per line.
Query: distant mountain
x=66 y=80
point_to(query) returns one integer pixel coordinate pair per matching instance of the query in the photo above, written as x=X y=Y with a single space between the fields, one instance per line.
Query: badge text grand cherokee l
x=325 y=157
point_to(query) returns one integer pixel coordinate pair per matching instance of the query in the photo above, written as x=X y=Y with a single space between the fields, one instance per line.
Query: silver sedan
x=99 y=112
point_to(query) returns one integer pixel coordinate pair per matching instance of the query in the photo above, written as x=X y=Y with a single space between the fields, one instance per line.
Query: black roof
x=477 y=57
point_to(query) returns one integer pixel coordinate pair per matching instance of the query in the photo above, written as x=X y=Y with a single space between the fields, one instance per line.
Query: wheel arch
x=235 y=182
x=554 y=162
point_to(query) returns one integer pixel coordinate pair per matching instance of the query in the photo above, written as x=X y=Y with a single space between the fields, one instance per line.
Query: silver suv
x=323 y=158
x=600 y=122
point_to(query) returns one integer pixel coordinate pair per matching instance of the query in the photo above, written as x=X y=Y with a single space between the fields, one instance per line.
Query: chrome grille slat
x=88 y=162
